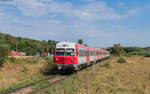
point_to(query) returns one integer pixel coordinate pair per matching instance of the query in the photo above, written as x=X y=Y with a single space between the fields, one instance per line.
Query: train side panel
x=82 y=55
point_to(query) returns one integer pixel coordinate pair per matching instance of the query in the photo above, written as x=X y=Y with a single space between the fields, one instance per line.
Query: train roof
x=63 y=44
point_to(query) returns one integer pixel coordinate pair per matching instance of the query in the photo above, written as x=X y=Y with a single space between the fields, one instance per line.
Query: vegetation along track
x=53 y=82
x=28 y=89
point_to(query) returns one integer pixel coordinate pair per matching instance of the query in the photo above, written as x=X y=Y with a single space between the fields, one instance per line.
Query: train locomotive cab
x=65 y=56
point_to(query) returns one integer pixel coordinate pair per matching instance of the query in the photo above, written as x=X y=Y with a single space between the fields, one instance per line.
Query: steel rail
x=48 y=86
x=28 y=85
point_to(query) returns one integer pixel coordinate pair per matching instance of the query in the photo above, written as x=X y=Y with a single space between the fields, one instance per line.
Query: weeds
x=107 y=64
x=35 y=61
x=49 y=62
x=17 y=70
x=122 y=60
x=25 y=69
x=11 y=59
x=21 y=84
x=128 y=80
x=4 y=51
x=39 y=85
x=32 y=60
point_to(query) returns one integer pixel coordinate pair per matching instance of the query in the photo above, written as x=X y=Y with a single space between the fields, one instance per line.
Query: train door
x=81 y=53
x=87 y=55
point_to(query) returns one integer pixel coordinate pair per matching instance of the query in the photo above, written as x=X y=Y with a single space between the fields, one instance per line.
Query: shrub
x=122 y=60
x=29 y=60
x=25 y=69
x=107 y=64
x=49 y=62
x=4 y=51
x=35 y=61
x=147 y=55
x=12 y=59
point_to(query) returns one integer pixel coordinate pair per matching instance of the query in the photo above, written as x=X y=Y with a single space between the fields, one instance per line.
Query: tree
x=118 y=49
x=80 y=41
x=4 y=52
x=29 y=46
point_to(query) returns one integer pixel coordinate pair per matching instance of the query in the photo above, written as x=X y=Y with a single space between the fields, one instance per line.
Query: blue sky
x=100 y=23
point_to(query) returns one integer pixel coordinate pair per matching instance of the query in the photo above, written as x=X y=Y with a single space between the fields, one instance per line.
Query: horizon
x=74 y=42
x=100 y=23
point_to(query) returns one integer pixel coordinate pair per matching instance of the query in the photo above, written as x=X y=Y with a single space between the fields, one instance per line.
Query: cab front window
x=60 y=51
x=67 y=51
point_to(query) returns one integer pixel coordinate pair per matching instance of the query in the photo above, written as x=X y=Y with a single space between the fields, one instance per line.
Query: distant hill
x=30 y=46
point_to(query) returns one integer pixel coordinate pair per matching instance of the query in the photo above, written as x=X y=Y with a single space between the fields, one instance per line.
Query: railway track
x=57 y=80
x=27 y=89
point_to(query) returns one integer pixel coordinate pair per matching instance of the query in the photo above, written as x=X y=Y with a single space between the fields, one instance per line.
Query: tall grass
x=23 y=60
x=49 y=61
x=4 y=51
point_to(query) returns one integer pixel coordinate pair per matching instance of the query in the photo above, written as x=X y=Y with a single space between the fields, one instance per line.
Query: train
x=73 y=56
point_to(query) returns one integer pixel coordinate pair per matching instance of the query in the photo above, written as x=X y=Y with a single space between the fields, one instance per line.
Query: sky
x=100 y=23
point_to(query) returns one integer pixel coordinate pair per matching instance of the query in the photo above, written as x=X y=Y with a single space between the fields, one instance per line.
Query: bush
x=12 y=59
x=122 y=60
x=147 y=55
x=35 y=61
x=49 y=62
x=4 y=51
x=128 y=55
x=25 y=69
x=107 y=64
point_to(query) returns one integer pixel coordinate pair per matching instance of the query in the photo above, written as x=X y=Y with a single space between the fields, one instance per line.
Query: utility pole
x=52 y=50
x=47 y=48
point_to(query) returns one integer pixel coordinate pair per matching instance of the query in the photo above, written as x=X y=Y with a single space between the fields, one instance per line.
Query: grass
x=19 y=71
x=21 y=84
x=127 y=78
x=107 y=64
x=39 y=85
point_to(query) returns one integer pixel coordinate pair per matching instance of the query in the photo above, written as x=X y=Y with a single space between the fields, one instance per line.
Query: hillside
x=30 y=46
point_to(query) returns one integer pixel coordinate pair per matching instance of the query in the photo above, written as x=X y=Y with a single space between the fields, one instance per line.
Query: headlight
x=57 y=59
x=63 y=59
x=71 y=59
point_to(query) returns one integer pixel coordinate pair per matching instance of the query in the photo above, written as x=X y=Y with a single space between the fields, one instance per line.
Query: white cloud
x=38 y=8
x=132 y=12
x=121 y=4
x=98 y=11
x=93 y=10
x=54 y=21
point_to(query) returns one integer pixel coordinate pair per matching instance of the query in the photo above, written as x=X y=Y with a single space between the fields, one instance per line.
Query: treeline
x=118 y=50
x=30 y=46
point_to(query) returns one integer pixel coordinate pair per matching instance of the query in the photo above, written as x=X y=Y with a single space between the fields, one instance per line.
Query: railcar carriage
x=74 y=56
x=65 y=55
x=69 y=55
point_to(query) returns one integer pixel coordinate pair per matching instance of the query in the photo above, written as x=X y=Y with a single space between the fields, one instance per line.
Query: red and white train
x=74 y=56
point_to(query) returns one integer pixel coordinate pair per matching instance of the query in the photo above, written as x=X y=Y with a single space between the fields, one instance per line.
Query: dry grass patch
x=22 y=69
x=132 y=77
